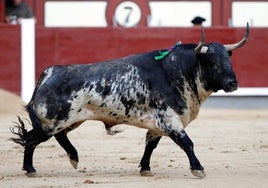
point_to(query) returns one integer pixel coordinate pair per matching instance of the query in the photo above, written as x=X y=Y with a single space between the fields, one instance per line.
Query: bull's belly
x=136 y=118
x=109 y=116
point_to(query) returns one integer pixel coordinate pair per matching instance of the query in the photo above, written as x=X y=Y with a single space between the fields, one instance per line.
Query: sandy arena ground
x=232 y=145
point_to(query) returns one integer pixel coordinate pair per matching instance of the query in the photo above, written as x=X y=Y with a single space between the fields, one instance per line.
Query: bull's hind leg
x=30 y=145
x=151 y=143
x=28 y=156
x=63 y=140
x=29 y=140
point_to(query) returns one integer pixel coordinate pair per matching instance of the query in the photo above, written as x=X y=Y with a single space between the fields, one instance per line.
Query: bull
x=161 y=91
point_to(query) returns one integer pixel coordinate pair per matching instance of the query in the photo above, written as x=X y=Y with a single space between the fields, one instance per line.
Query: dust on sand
x=232 y=145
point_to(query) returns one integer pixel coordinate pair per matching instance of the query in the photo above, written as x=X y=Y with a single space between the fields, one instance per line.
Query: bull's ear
x=230 y=53
x=203 y=50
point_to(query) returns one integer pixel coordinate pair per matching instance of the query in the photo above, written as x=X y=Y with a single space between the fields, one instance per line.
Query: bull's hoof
x=146 y=173
x=73 y=160
x=30 y=171
x=74 y=163
x=31 y=174
x=199 y=173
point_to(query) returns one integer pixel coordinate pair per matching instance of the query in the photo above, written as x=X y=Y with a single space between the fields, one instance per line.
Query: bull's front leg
x=151 y=143
x=169 y=123
x=182 y=139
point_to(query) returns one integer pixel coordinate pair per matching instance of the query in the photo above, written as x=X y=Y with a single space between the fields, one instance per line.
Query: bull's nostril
x=234 y=83
x=231 y=86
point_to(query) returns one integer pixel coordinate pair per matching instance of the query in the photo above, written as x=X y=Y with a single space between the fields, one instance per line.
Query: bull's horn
x=200 y=48
x=230 y=47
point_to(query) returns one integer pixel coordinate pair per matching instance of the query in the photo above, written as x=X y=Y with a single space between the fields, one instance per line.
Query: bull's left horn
x=200 y=47
x=230 y=47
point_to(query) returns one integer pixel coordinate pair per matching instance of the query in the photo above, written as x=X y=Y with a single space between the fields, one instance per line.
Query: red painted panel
x=2 y=11
x=46 y=50
x=251 y=62
x=10 y=55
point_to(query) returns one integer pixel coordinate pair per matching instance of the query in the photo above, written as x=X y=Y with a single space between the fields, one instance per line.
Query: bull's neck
x=187 y=79
x=194 y=95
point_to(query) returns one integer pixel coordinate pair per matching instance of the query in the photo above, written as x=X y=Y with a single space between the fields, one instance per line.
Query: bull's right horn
x=230 y=47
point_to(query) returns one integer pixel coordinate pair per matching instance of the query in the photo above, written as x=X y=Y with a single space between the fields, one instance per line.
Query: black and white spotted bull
x=160 y=91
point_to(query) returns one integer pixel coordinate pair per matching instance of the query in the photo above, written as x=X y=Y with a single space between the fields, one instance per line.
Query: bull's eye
x=217 y=68
x=216 y=65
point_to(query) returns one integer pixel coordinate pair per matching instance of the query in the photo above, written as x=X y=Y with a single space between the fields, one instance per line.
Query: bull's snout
x=231 y=85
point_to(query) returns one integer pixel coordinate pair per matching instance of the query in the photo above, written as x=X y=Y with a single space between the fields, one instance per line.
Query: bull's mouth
x=230 y=86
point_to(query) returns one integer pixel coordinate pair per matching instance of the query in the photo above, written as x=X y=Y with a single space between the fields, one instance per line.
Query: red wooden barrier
x=87 y=45
x=80 y=45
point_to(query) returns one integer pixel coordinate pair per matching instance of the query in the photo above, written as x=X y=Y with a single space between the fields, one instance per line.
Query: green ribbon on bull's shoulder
x=163 y=54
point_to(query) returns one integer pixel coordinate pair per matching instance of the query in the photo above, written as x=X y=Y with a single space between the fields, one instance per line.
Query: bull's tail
x=29 y=138
x=21 y=132
x=26 y=138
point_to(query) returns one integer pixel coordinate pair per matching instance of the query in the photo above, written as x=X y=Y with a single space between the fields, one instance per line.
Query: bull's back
x=60 y=89
x=63 y=80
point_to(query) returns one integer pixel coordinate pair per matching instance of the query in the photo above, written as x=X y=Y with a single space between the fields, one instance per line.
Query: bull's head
x=215 y=60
